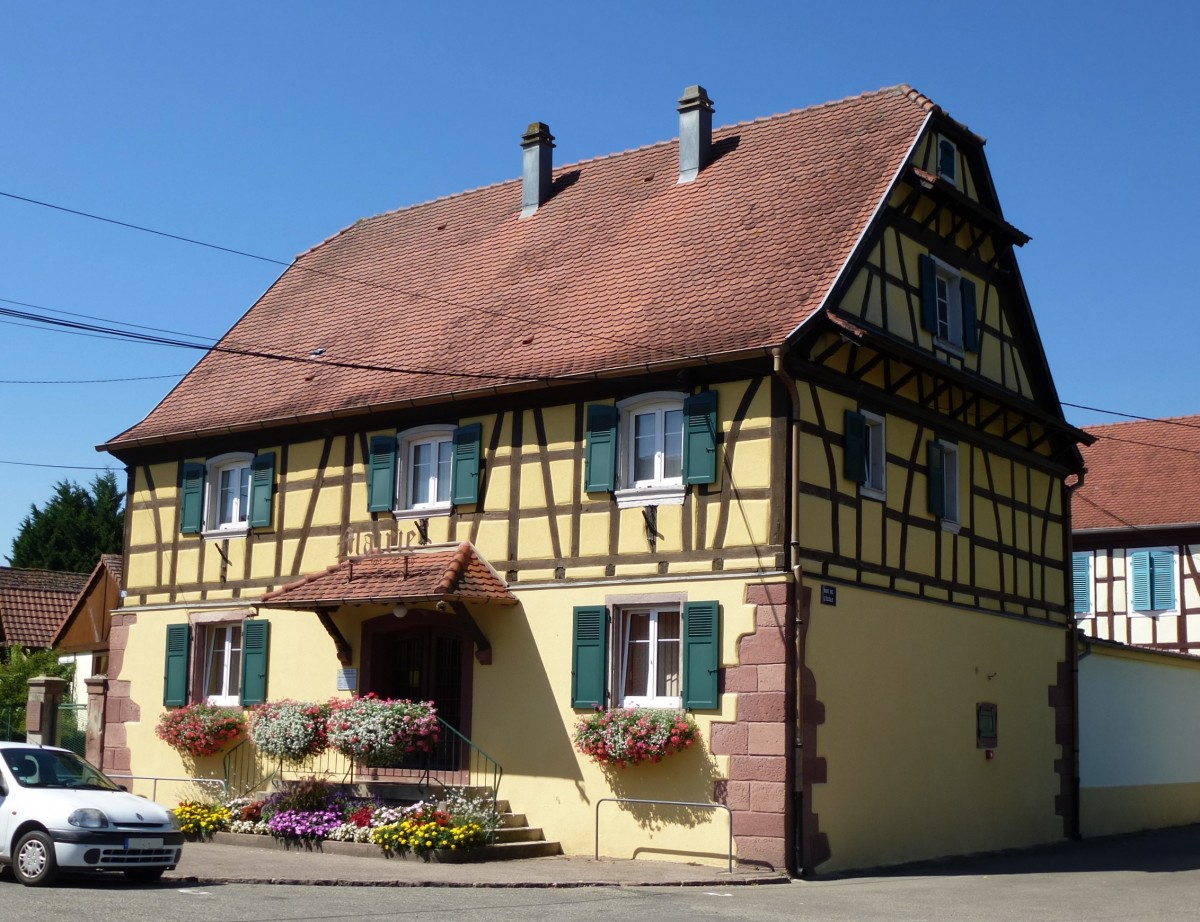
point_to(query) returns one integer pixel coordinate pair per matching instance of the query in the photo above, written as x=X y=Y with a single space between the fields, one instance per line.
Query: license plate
x=143 y=843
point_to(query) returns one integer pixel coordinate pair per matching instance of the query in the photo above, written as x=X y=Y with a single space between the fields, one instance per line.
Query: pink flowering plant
x=618 y=737
x=290 y=730
x=200 y=729
x=382 y=731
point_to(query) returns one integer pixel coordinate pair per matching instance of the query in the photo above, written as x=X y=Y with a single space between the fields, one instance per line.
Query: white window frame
x=951 y=176
x=208 y=632
x=620 y=657
x=407 y=443
x=948 y=295
x=1152 y=612
x=951 y=486
x=215 y=467
x=875 y=456
x=659 y=490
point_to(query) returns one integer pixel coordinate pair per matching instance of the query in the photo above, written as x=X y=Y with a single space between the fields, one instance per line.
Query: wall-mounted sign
x=347 y=680
x=829 y=595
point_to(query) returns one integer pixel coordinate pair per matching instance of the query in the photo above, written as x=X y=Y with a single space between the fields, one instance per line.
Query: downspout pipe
x=793 y=736
x=1074 y=638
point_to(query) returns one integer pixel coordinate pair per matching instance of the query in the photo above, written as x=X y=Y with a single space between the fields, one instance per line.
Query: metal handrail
x=236 y=763
x=482 y=770
x=155 y=779
x=664 y=803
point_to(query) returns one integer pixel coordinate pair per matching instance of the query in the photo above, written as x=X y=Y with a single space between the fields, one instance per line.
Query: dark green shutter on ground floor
x=589 y=660
x=701 y=654
x=175 y=675
x=255 y=656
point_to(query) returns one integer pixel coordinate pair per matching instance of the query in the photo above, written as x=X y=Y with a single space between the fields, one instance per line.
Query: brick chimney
x=538 y=143
x=695 y=132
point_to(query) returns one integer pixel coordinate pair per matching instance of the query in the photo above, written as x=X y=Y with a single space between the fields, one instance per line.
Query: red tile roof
x=1144 y=473
x=424 y=575
x=33 y=604
x=621 y=268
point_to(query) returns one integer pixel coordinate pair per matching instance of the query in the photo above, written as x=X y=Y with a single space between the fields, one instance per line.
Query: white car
x=58 y=812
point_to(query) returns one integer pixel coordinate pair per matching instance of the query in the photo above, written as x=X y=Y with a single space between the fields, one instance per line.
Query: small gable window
x=947 y=160
x=1151 y=580
x=948 y=306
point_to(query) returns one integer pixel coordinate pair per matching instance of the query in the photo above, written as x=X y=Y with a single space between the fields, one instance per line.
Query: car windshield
x=48 y=768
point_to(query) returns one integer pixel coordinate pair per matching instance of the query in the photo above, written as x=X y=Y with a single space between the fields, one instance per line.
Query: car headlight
x=173 y=820
x=88 y=818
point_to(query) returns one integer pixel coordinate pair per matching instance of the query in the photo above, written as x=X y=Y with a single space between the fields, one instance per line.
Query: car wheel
x=144 y=875
x=34 y=863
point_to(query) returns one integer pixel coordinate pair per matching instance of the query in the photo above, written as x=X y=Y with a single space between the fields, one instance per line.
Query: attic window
x=947 y=160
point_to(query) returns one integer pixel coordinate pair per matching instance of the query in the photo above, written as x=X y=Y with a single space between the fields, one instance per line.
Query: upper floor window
x=1152 y=579
x=947 y=160
x=228 y=494
x=228 y=499
x=1081 y=582
x=649 y=448
x=427 y=457
x=943 y=482
x=424 y=470
x=865 y=460
x=948 y=306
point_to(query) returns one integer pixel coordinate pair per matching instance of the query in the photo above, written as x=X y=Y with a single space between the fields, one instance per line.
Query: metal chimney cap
x=537 y=133
x=694 y=97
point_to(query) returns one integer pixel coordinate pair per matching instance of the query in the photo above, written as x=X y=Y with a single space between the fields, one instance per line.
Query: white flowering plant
x=380 y=731
x=290 y=730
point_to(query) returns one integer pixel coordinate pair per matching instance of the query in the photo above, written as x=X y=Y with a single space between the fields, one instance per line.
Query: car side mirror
x=123 y=788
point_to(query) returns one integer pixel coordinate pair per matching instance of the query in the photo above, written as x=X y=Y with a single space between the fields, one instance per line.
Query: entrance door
x=422 y=664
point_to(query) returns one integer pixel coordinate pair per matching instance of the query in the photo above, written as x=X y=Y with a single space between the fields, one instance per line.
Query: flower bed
x=381 y=732
x=618 y=737
x=313 y=811
x=200 y=729
x=290 y=730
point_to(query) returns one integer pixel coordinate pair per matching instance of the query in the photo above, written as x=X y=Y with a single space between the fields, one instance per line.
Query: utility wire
x=1146 y=419
x=64 y=467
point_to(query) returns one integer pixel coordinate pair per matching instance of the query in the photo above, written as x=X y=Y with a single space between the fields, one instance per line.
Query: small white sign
x=347 y=680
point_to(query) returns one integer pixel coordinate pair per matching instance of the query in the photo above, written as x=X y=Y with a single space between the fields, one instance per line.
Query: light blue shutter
x=1162 y=580
x=256 y=635
x=175 y=673
x=600 y=471
x=589 y=659
x=700 y=438
x=970 y=315
x=928 y=293
x=701 y=654
x=936 y=480
x=1081 y=581
x=854 y=462
x=1139 y=566
x=262 y=483
x=381 y=473
x=464 y=476
x=191 y=498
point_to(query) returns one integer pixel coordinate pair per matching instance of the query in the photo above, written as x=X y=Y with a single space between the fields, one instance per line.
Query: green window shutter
x=1139 y=565
x=1162 y=580
x=854 y=462
x=928 y=293
x=191 y=498
x=381 y=473
x=1081 y=572
x=262 y=486
x=937 y=479
x=175 y=675
x=700 y=438
x=464 y=476
x=701 y=654
x=589 y=661
x=600 y=472
x=256 y=635
x=970 y=316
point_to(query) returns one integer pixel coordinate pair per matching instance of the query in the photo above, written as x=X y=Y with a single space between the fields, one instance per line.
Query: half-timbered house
x=1136 y=525
x=754 y=423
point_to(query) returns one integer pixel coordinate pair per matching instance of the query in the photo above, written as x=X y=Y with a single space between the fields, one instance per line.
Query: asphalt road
x=1150 y=877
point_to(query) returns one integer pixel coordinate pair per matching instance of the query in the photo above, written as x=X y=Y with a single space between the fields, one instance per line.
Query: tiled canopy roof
x=622 y=268
x=33 y=603
x=435 y=575
x=1144 y=474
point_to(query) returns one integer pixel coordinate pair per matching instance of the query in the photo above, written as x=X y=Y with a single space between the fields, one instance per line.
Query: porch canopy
x=441 y=577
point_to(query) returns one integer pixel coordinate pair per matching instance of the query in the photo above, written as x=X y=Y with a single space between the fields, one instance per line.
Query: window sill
x=872 y=493
x=674 y=703
x=217 y=533
x=423 y=512
x=668 y=495
x=955 y=349
x=947 y=525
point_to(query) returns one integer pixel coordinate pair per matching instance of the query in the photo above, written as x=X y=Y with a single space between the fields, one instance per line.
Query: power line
x=64 y=467
x=1145 y=419
x=93 y=380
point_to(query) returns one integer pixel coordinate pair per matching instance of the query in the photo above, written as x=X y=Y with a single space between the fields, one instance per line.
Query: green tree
x=17 y=667
x=74 y=528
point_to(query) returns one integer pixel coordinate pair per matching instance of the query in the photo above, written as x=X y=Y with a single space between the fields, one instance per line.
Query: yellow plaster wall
x=900 y=679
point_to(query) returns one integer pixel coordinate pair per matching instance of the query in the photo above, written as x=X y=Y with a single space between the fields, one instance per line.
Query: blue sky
x=268 y=127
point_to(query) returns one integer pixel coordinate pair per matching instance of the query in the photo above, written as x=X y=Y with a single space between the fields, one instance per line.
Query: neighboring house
x=33 y=604
x=82 y=637
x=1136 y=527
x=755 y=423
